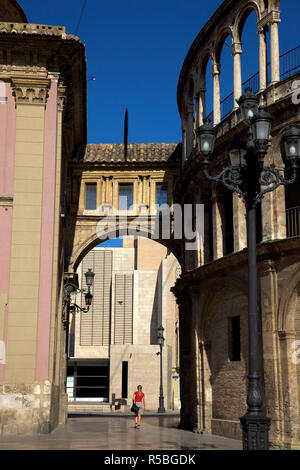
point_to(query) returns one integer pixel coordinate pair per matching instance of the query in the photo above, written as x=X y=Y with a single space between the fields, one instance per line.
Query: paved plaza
x=118 y=433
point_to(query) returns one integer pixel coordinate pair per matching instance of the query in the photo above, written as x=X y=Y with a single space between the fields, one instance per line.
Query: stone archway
x=145 y=312
x=90 y=234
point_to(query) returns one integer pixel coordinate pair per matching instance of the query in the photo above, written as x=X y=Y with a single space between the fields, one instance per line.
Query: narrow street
x=118 y=433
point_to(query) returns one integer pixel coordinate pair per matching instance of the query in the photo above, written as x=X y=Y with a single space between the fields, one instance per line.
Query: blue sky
x=113 y=243
x=135 y=49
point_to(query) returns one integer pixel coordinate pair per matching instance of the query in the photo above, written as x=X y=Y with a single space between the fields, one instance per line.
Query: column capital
x=285 y=334
x=216 y=69
x=268 y=20
x=30 y=90
x=237 y=48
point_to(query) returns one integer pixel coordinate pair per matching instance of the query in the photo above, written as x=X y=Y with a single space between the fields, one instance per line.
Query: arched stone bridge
x=102 y=170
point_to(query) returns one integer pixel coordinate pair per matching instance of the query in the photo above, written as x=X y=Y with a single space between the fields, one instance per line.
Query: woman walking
x=139 y=400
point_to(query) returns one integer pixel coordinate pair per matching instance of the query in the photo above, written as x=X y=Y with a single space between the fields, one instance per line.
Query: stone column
x=140 y=190
x=207 y=228
x=135 y=192
x=268 y=282
x=110 y=189
x=279 y=211
x=202 y=105
x=58 y=338
x=197 y=112
x=103 y=197
x=239 y=223
x=190 y=130
x=152 y=193
x=217 y=100
x=218 y=222
x=184 y=149
x=115 y=200
x=100 y=189
x=262 y=60
x=274 y=214
x=275 y=64
x=237 y=73
x=289 y=389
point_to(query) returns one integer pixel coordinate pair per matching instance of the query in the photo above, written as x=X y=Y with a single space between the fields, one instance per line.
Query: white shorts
x=140 y=406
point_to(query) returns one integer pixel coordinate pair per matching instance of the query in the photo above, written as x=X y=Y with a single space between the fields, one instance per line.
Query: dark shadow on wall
x=156 y=310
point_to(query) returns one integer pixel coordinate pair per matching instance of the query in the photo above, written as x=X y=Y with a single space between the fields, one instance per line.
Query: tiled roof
x=114 y=153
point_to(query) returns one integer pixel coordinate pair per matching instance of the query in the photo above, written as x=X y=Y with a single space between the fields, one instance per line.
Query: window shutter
x=95 y=325
x=123 y=308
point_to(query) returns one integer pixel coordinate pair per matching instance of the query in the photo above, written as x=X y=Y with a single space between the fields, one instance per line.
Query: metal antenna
x=80 y=17
x=126 y=135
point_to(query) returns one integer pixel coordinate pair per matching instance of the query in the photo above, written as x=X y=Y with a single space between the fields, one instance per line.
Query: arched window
x=250 y=48
x=207 y=73
x=224 y=58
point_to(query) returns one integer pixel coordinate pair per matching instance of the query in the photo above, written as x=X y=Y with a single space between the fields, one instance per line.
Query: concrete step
x=88 y=407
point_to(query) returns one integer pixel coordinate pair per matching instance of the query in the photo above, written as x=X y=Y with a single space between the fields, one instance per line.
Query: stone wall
x=143 y=369
x=220 y=387
x=25 y=408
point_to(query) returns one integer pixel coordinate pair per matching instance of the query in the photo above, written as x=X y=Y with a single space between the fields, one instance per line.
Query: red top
x=139 y=397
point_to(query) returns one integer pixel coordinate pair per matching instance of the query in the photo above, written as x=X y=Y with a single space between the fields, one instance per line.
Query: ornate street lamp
x=89 y=277
x=70 y=291
x=251 y=179
x=160 y=340
x=248 y=104
x=291 y=140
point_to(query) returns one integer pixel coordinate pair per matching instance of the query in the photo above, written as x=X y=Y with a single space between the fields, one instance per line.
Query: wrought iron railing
x=293 y=222
x=289 y=64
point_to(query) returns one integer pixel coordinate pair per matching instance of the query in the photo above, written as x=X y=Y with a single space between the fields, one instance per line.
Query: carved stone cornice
x=30 y=28
x=268 y=20
x=30 y=91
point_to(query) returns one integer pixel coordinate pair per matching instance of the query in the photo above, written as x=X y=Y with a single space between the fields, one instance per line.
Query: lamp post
x=251 y=179
x=160 y=340
x=70 y=291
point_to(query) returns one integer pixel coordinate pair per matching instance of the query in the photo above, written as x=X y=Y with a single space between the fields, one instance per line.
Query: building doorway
x=88 y=380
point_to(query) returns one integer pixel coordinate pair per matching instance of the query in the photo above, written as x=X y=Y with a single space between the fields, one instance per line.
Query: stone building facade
x=45 y=228
x=49 y=178
x=43 y=75
x=212 y=292
x=131 y=299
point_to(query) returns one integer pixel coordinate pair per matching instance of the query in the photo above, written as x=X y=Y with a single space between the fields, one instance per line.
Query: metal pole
x=161 y=408
x=255 y=424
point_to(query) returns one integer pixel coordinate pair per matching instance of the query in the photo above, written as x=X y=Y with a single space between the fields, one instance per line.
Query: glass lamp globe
x=248 y=104
x=89 y=277
x=206 y=137
x=291 y=140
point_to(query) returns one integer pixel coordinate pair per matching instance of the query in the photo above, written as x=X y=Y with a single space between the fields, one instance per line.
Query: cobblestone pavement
x=118 y=433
